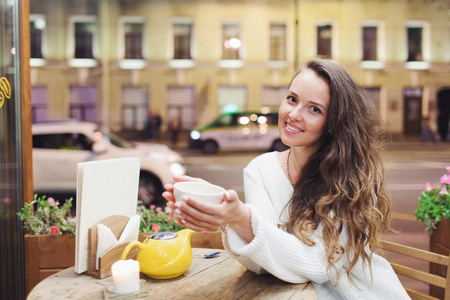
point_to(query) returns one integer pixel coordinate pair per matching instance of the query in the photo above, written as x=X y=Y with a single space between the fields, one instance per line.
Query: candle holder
x=110 y=293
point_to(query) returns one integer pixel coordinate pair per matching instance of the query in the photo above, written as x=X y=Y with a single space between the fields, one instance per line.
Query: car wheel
x=210 y=147
x=150 y=189
x=279 y=146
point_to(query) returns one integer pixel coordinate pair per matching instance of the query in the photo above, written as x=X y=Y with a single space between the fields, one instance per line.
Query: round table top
x=220 y=277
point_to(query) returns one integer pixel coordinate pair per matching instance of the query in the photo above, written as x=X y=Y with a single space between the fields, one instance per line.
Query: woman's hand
x=202 y=216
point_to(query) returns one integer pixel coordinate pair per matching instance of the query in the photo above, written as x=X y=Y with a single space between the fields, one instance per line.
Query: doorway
x=443 y=105
x=412 y=113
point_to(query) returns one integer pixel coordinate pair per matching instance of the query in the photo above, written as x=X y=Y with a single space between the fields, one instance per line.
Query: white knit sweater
x=267 y=191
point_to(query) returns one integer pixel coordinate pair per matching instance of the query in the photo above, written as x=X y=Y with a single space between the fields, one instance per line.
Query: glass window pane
x=84 y=35
x=231 y=41
x=36 y=39
x=182 y=41
x=277 y=42
x=415 y=44
x=324 y=34
x=133 y=40
x=369 y=43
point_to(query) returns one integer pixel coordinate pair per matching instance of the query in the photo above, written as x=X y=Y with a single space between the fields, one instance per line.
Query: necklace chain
x=287 y=167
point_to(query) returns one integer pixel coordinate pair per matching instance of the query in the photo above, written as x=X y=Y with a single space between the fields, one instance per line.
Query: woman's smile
x=292 y=129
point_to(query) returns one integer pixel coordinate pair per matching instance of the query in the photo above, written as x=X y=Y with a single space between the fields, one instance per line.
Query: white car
x=59 y=145
x=239 y=131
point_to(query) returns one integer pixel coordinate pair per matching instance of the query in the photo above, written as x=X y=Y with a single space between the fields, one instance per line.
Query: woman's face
x=302 y=114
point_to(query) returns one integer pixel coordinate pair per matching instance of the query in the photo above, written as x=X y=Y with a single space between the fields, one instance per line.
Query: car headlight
x=177 y=169
x=195 y=134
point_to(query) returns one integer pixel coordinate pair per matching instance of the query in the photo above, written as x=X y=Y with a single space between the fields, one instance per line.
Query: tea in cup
x=201 y=191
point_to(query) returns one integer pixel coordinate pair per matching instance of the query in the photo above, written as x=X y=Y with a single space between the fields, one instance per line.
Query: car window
x=223 y=120
x=113 y=139
x=64 y=141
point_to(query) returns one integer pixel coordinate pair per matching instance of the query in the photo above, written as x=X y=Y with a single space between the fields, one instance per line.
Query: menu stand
x=117 y=225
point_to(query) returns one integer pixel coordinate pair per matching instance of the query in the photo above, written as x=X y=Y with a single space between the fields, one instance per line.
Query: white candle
x=125 y=274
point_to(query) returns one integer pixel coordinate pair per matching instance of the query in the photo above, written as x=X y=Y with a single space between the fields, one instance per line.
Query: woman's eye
x=291 y=99
x=316 y=109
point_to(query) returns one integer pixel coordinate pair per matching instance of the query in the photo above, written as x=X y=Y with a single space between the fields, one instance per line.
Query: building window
x=277 y=42
x=232 y=98
x=273 y=96
x=39 y=99
x=414 y=44
x=134 y=33
x=182 y=40
x=324 y=34
x=135 y=108
x=370 y=43
x=231 y=42
x=83 y=103
x=84 y=35
x=37 y=27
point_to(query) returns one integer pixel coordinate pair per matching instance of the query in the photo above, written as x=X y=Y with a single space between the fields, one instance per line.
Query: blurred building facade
x=120 y=62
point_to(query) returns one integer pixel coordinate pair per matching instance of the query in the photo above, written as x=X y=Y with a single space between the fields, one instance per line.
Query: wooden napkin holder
x=117 y=225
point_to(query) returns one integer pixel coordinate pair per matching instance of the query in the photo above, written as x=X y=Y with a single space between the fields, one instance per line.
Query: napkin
x=106 y=238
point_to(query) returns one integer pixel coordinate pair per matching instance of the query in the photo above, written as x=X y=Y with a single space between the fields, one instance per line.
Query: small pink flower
x=153 y=206
x=52 y=202
x=54 y=230
x=428 y=187
x=445 y=179
x=448 y=169
x=170 y=216
x=443 y=191
x=155 y=227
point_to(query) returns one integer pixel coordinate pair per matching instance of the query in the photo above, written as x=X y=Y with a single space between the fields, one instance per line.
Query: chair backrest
x=408 y=271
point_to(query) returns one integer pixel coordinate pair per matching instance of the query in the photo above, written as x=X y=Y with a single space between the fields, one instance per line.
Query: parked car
x=239 y=130
x=59 y=146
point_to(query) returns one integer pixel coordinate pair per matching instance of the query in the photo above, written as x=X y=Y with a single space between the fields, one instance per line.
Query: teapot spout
x=185 y=235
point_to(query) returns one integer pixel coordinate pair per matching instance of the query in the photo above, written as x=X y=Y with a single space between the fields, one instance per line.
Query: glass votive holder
x=110 y=293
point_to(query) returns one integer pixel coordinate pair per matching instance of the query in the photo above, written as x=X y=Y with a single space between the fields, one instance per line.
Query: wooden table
x=215 y=278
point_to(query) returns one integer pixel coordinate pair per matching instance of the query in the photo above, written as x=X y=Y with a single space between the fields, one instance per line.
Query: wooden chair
x=430 y=257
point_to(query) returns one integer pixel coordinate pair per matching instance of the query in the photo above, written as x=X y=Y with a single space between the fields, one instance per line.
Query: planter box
x=46 y=255
x=440 y=243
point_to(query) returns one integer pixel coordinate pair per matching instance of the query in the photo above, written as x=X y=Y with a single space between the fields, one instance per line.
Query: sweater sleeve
x=273 y=250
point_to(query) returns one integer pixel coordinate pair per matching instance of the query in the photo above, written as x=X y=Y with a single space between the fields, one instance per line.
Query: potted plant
x=49 y=238
x=434 y=203
x=433 y=210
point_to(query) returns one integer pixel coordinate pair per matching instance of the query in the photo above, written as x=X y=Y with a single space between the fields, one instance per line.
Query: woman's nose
x=296 y=114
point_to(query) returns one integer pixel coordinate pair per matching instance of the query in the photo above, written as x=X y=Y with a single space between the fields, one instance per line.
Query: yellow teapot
x=163 y=255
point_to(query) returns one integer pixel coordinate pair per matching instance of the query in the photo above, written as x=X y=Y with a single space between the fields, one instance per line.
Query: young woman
x=316 y=211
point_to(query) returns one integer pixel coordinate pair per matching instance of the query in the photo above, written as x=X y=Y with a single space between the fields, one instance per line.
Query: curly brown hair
x=342 y=185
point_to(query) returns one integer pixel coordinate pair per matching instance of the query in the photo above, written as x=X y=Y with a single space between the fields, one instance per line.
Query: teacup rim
x=181 y=183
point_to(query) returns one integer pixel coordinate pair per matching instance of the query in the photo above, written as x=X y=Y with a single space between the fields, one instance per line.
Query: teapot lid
x=162 y=236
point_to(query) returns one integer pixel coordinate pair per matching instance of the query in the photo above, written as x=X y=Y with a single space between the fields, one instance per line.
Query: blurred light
x=262 y=120
x=244 y=120
x=132 y=64
x=39 y=24
x=263 y=129
x=230 y=108
x=195 y=134
x=235 y=43
x=253 y=117
x=82 y=63
x=226 y=44
x=246 y=131
x=13 y=50
x=177 y=169
x=37 y=62
x=98 y=135
x=265 y=110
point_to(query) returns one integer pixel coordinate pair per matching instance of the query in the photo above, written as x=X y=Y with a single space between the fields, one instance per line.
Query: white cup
x=200 y=191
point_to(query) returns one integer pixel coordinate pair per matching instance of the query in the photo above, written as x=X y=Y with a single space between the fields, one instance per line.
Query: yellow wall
x=254 y=17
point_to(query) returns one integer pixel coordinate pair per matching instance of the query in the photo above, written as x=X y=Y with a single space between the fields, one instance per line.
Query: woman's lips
x=292 y=129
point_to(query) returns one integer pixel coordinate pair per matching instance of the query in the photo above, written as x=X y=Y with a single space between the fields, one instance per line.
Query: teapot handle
x=128 y=248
